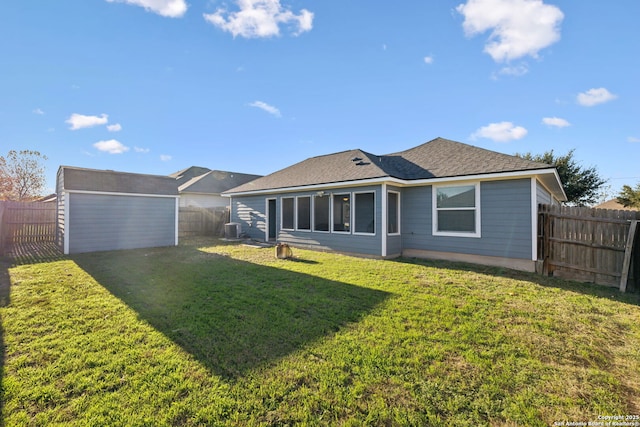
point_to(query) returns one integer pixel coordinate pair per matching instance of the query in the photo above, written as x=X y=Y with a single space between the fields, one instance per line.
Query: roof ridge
x=330 y=154
x=193 y=180
x=462 y=144
x=233 y=172
x=181 y=171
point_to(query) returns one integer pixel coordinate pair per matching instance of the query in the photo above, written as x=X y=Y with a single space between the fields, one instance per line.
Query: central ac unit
x=232 y=230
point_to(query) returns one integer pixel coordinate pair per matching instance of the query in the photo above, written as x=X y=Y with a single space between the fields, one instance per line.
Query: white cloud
x=633 y=139
x=516 y=70
x=111 y=146
x=165 y=157
x=141 y=150
x=79 y=121
x=518 y=27
x=428 y=59
x=117 y=127
x=167 y=8
x=556 y=122
x=260 y=18
x=266 y=107
x=595 y=96
x=38 y=111
x=500 y=132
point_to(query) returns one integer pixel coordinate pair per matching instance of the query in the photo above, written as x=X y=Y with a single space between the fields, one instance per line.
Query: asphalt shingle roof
x=189 y=173
x=442 y=158
x=439 y=158
x=215 y=182
x=197 y=179
x=118 y=182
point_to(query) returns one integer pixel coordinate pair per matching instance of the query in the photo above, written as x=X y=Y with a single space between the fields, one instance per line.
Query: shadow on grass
x=231 y=315
x=630 y=297
x=301 y=260
x=5 y=288
x=34 y=253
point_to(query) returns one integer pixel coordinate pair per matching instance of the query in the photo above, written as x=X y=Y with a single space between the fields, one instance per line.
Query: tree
x=630 y=197
x=21 y=175
x=581 y=185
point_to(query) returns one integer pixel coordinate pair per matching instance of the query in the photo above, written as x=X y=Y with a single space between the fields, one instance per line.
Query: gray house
x=202 y=187
x=442 y=199
x=101 y=210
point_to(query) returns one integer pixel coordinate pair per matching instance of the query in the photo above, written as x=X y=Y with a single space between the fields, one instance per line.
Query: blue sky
x=155 y=86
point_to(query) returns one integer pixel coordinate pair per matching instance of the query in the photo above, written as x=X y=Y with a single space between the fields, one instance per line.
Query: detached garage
x=103 y=210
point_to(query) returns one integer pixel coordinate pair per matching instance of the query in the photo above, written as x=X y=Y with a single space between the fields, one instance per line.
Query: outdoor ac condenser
x=232 y=230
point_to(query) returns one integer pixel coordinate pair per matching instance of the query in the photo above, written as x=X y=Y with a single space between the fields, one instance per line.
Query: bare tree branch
x=22 y=175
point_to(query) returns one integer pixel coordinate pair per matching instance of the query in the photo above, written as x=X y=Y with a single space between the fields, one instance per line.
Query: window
x=456 y=210
x=287 y=213
x=321 y=213
x=304 y=213
x=393 y=212
x=365 y=213
x=342 y=213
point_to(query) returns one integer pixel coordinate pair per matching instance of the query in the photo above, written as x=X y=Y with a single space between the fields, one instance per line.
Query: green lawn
x=216 y=334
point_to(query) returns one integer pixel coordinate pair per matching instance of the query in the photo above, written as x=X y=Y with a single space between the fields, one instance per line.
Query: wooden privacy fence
x=591 y=245
x=26 y=223
x=194 y=221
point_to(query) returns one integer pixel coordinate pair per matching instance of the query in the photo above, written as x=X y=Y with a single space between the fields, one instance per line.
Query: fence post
x=546 y=243
x=2 y=227
x=627 y=255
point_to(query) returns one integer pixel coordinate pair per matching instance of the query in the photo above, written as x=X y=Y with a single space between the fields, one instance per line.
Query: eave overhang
x=548 y=177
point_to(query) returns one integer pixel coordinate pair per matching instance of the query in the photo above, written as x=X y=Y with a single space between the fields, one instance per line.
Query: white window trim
x=295 y=220
x=313 y=214
x=355 y=208
x=267 y=219
x=282 y=227
x=398 y=212
x=434 y=211
x=333 y=196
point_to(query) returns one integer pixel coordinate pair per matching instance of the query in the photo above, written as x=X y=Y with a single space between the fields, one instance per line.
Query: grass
x=215 y=334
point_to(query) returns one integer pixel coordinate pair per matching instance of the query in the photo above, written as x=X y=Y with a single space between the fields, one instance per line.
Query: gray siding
x=505 y=221
x=543 y=196
x=250 y=213
x=394 y=245
x=106 y=222
x=60 y=213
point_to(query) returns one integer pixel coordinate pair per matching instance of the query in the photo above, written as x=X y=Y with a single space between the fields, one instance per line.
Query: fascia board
x=110 y=193
x=403 y=182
